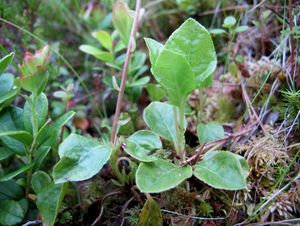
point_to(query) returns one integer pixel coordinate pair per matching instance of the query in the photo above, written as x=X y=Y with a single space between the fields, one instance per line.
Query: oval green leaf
x=48 y=134
x=39 y=113
x=229 y=22
x=139 y=82
x=104 y=39
x=155 y=48
x=11 y=213
x=160 y=118
x=141 y=144
x=151 y=214
x=39 y=181
x=194 y=42
x=8 y=89
x=222 y=170
x=5 y=61
x=210 y=132
x=11 y=190
x=49 y=201
x=241 y=29
x=11 y=119
x=80 y=159
x=6 y=83
x=122 y=20
x=217 y=31
x=175 y=74
x=160 y=175
x=99 y=54
x=155 y=91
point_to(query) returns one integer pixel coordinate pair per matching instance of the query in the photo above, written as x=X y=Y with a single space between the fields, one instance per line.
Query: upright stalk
x=177 y=144
x=125 y=70
x=114 y=165
x=34 y=123
x=1 y=170
x=181 y=130
x=179 y=125
x=34 y=115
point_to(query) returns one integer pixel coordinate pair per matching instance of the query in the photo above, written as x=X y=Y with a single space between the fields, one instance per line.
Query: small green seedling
x=230 y=27
x=229 y=31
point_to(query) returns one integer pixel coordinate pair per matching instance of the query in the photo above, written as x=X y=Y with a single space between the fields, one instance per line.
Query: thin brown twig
x=125 y=70
x=97 y=220
x=124 y=209
x=215 y=143
x=136 y=194
x=201 y=149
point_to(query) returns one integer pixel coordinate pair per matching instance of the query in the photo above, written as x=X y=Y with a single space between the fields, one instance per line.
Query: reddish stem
x=218 y=143
x=125 y=71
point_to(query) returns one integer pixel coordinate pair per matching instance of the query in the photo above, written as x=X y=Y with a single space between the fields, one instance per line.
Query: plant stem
x=34 y=115
x=179 y=125
x=1 y=170
x=177 y=145
x=35 y=133
x=125 y=70
x=114 y=164
x=181 y=129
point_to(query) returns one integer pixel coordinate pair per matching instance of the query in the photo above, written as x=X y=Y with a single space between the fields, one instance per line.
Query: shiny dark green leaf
x=11 y=213
x=11 y=119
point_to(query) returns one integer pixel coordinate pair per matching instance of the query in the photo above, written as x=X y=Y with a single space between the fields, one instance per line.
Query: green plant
x=230 y=24
x=111 y=53
x=191 y=47
x=26 y=137
x=81 y=158
x=189 y=6
x=230 y=28
x=290 y=105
